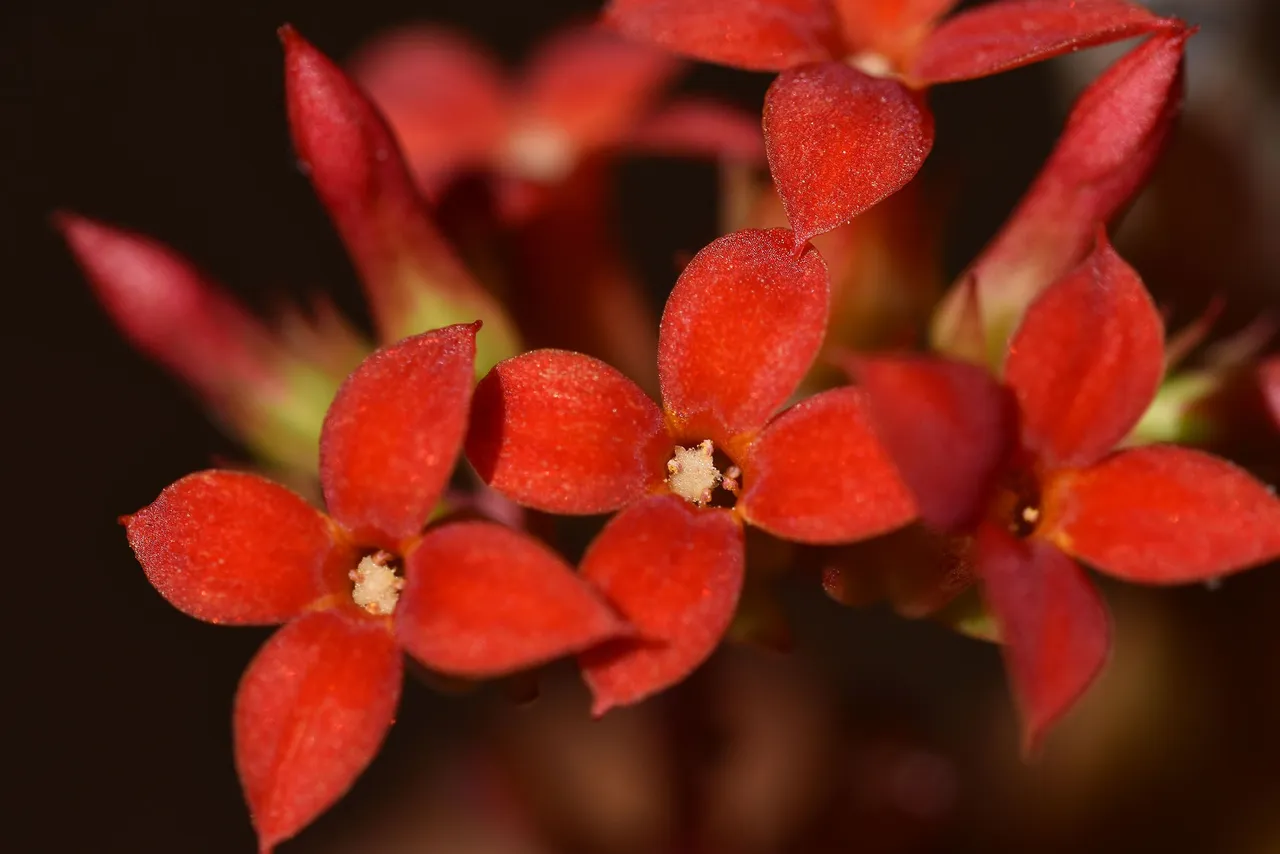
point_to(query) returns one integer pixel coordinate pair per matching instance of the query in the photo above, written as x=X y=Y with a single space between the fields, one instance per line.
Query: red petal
x=701 y=128
x=949 y=427
x=840 y=141
x=1054 y=626
x=1116 y=133
x=444 y=97
x=818 y=474
x=741 y=327
x=893 y=29
x=1086 y=361
x=999 y=36
x=764 y=35
x=1269 y=379
x=394 y=433
x=566 y=433
x=310 y=714
x=1163 y=515
x=483 y=600
x=412 y=278
x=229 y=547
x=675 y=573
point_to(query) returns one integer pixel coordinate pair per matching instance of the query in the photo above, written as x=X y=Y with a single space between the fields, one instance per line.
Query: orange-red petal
x=740 y=329
x=839 y=141
x=1086 y=361
x=482 y=600
x=566 y=433
x=762 y=35
x=695 y=127
x=232 y=547
x=1053 y=625
x=819 y=474
x=1163 y=515
x=394 y=432
x=893 y=29
x=999 y=36
x=949 y=426
x=310 y=715
x=674 y=572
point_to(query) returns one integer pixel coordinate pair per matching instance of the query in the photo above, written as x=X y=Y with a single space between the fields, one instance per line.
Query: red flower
x=845 y=124
x=476 y=599
x=564 y=433
x=1025 y=469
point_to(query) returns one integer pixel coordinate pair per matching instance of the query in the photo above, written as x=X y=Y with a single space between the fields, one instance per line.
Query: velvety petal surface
x=674 y=572
x=394 y=433
x=483 y=600
x=839 y=141
x=566 y=433
x=310 y=715
x=949 y=427
x=763 y=35
x=891 y=28
x=819 y=474
x=1086 y=361
x=231 y=547
x=740 y=329
x=693 y=127
x=998 y=36
x=1163 y=515
x=1054 y=626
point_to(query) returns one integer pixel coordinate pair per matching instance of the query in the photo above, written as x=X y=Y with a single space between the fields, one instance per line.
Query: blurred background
x=873 y=734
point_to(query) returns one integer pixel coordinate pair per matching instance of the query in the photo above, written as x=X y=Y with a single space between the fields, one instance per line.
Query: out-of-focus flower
x=1269 y=380
x=355 y=587
x=564 y=433
x=1023 y=469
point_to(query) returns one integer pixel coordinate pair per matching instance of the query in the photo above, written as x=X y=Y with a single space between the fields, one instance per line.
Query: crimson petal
x=394 y=432
x=311 y=712
x=891 y=28
x=839 y=141
x=230 y=547
x=1163 y=515
x=1053 y=625
x=675 y=573
x=1086 y=361
x=483 y=600
x=819 y=474
x=949 y=427
x=566 y=433
x=1003 y=35
x=763 y=35
x=740 y=329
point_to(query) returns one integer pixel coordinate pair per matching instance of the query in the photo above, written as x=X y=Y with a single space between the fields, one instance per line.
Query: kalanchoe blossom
x=845 y=122
x=585 y=92
x=564 y=433
x=357 y=586
x=1023 y=469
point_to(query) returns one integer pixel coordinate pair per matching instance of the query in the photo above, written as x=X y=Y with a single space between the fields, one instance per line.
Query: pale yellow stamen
x=540 y=152
x=692 y=473
x=872 y=63
x=1031 y=515
x=377 y=587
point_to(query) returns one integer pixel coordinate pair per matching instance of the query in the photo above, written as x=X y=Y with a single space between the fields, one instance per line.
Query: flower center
x=376 y=586
x=540 y=152
x=692 y=474
x=871 y=63
x=1016 y=506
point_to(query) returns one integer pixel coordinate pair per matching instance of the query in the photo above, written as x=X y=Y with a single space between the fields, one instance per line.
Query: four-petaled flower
x=564 y=433
x=360 y=584
x=1025 y=469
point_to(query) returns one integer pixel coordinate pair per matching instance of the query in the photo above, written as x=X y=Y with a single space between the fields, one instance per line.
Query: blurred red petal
x=394 y=433
x=949 y=427
x=890 y=28
x=482 y=600
x=740 y=329
x=1163 y=515
x=566 y=433
x=840 y=141
x=1086 y=361
x=310 y=715
x=675 y=573
x=819 y=474
x=1053 y=625
x=694 y=127
x=444 y=97
x=999 y=36
x=763 y=35
x=230 y=547
x=961 y=334
x=1269 y=379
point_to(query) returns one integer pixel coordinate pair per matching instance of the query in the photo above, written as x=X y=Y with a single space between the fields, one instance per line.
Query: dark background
x=168 y=118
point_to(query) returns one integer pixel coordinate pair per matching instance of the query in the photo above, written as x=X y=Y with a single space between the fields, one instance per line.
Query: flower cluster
x=1016 y=440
